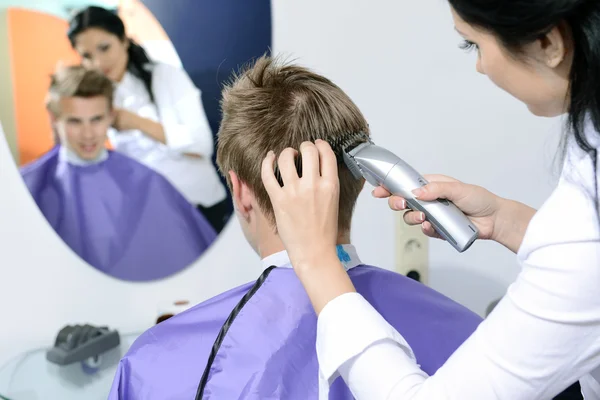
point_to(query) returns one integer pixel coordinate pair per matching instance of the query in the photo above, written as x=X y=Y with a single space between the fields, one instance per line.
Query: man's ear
x=53 y=118
x=241 y=193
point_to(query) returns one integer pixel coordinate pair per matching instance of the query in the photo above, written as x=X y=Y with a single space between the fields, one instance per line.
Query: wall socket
x=412 y=251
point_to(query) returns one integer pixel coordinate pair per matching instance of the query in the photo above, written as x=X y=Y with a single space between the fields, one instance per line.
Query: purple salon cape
x=118 y=215
x=269 y=350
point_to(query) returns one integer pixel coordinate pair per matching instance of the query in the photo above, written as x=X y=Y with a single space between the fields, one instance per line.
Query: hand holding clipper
x=381 y=167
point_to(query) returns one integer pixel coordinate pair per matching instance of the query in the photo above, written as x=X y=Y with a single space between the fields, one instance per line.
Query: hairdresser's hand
x=498 y=219
x=306 y=209
x=125 y=120
x=306 y=212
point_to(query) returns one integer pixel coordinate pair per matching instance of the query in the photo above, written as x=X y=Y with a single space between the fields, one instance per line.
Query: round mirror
x=112 y=122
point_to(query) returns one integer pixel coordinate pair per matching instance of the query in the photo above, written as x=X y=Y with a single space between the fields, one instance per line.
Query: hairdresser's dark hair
x=517 y=23
x=97 y=17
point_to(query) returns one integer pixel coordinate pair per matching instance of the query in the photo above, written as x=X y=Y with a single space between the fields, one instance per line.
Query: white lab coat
x=543 y=336
x=178 y=107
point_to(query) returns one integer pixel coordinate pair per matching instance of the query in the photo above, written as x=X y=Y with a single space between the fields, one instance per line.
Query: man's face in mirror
x=82 y=124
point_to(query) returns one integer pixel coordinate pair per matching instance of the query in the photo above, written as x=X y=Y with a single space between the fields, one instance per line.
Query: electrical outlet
x=412 y=251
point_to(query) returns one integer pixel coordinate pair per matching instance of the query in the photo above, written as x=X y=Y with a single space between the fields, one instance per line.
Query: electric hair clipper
x=381 y=167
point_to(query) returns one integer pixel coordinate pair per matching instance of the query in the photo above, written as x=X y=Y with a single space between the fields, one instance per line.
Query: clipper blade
x=347 y=143
x=344 y=145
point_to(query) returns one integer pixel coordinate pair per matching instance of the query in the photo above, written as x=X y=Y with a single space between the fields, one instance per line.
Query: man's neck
x=272 y=244
x=68 y=155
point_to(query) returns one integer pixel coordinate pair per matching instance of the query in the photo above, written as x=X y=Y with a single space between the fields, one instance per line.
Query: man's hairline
x=57 y=115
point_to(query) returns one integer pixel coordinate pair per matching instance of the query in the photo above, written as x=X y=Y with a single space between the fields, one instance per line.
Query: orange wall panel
x=37 y=43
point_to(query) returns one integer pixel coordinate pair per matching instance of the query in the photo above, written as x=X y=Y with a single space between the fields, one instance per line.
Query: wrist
x=316 y=260
x=511 y=222
x=324 y=278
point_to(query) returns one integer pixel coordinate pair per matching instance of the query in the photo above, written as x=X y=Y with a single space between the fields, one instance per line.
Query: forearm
x=511 y=224
x=324 y=279
x=152 y=129
x=538 y=341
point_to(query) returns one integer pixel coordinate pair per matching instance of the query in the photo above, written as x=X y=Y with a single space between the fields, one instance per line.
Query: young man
x=257 y=341
x=118 y=215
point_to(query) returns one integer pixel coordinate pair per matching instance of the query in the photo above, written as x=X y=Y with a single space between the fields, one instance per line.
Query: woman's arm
x=541 y=338
x=502 y=220
x=126 y=120
x=183 y=119
x=183 y=124
x=511 y=224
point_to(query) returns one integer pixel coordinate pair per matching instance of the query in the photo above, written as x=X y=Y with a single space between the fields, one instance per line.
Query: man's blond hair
x=272 y=105
x=77 y=81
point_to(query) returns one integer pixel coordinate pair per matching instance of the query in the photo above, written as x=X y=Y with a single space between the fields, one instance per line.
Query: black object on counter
x=75 y=343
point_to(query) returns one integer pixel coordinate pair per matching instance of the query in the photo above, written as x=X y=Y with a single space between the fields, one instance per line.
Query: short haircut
x=77 y=81
x=272 y=105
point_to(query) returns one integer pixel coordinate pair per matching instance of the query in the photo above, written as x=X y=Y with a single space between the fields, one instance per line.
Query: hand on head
x=306 y=208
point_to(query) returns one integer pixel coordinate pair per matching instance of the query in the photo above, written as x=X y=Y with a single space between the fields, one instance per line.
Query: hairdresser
x=545 y=334
x=159 y=120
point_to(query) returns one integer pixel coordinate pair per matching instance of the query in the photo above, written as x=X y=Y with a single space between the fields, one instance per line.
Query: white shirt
x=178 y=107
x=349 y=260
x=541 y=338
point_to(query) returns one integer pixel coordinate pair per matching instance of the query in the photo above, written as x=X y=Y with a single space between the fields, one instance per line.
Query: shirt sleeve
x=184 y=121
x=540 y=339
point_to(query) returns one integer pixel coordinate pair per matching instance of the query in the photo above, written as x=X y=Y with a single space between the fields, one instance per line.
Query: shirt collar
x=67 y=155
x=346 y=253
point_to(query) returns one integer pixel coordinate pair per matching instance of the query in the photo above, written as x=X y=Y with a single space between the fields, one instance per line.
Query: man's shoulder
x=432 y=324
x=388 y=286
x=193 y=330
x=44 y=160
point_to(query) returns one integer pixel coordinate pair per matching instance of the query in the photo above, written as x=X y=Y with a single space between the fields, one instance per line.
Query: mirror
x=131 y=187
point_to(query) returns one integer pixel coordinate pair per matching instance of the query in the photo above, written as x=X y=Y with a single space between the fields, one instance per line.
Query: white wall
x=423 y=100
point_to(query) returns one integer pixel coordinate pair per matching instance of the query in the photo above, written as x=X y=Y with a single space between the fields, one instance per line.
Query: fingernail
x=399 y=204
x=422 y=217
x=417 y=192
x=270 y=153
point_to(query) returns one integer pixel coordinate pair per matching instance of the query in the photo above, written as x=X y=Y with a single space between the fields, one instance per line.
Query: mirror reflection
x=110 y=113
x=122 y=165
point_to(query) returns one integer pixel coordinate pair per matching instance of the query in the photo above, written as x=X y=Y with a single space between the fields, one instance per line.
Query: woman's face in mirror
x=103 y=51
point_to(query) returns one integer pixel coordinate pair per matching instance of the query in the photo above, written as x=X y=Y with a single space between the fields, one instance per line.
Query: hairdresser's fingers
x=310 y=161
x=397 y=203
x=428 y=230
x=414 y=217
x=439 y=178
x=268 y=175
x=441 y=190
x=287 y=166
x=327 y=161
x=380 y=192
